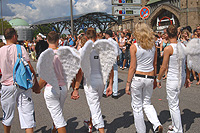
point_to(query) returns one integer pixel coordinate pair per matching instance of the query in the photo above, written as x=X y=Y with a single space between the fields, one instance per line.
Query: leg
x=199 y=79
x=25 y=108
x=93 y=96
x=115 y=80
x=121 y=59
x=148 y=108
x=62 y=130
x=101 y=130
x=29 y=130
x=6 y=129
x=8 y=102
x=173 y=101
x=106 y=85
x=52 y=99
x=136 y=94
x=124 y=63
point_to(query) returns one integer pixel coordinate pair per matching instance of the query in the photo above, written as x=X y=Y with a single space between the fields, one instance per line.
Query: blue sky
x=35 y=10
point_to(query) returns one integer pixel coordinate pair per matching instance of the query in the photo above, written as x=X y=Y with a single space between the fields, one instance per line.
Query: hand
x=75 y=95
x=36 y=88
x=187 y=83
x=109 y=91
x=159 y=85
x=127 y=90
x=154 y=84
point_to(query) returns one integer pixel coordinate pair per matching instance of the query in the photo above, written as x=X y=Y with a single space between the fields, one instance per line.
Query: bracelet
x=157 y=80
x=76 y=88
x=128 y=82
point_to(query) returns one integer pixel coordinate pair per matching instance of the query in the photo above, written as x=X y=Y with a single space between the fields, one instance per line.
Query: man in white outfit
x=173 y=84
x=94 y=91
x=108 y=36
x=11 y=94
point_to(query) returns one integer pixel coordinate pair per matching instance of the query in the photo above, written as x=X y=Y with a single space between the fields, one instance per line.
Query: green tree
x=6 y=25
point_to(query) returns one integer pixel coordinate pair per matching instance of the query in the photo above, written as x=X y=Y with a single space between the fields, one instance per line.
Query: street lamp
x=1 y=18
x=72 y=25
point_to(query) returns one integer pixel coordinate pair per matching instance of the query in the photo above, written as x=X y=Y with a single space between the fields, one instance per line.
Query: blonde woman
x=141 y=78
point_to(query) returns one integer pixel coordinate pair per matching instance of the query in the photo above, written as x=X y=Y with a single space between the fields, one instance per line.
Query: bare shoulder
x=168 y=50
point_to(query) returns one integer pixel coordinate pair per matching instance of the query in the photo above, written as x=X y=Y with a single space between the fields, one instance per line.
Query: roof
x=18 y=22
x=101 y=17
x=152 y=1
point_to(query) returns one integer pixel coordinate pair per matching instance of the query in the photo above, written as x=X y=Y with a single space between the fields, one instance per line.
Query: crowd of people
x=149 y=56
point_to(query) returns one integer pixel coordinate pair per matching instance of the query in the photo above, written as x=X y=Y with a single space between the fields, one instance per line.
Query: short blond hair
x=144 y=35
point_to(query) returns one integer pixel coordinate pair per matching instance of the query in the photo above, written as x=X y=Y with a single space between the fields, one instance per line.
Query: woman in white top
x=141 y=78
x=171 y=59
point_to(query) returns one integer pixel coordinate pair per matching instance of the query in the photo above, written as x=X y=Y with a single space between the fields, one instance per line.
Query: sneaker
x=170 y=129
x=125 y=67
x=115 y=97
x=53 y=131
x=89 y=127
x=159 y=129
x=104 y=95
x=120 y=67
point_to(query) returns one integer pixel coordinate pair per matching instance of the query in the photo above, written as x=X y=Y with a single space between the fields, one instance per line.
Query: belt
x=145 y=76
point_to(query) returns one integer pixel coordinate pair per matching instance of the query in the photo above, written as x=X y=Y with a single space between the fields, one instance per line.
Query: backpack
x=22 y=75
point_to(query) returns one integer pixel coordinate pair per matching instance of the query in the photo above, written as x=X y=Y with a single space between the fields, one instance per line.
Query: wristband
x=157 y=80
x=76 y=88
x=128 y=82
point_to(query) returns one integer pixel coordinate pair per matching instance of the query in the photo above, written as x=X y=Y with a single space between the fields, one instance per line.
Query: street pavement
x=117 y=113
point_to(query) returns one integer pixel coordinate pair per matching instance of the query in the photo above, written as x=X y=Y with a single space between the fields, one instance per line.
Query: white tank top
x=173 y=69
x=145 y=59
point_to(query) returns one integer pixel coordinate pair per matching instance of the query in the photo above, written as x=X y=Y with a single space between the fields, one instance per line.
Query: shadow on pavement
x=72 y=124
x=43 y=130
x=188 y=117
x=120 y=80
x=164 y=116
x=121 y=92
x=125 y=121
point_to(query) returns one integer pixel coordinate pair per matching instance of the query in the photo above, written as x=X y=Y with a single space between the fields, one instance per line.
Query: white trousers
x=141 y=92
x=12 y=95
x=55 y=103
x=93 y=95
x=173 y=102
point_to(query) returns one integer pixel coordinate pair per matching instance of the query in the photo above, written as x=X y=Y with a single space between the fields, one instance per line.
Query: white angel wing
x=108 y=53
x=193 y=54
x=85 y=60
x=70 y=59
x=45 y=68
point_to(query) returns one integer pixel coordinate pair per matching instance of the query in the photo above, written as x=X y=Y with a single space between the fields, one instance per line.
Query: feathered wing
x=181 y=62
x=45 y=68
x=108 y=53
x=70 y=59
x=85 y=60
x=193 y=54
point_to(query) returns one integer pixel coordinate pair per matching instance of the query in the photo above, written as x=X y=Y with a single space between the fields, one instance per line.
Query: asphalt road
x=117 y=113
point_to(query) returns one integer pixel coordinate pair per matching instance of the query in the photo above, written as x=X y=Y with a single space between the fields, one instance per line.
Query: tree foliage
x=6 y=25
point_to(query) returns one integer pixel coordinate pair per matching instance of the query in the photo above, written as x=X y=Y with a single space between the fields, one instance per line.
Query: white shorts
x=9 y=97
x=55 y=103
x=93 y=96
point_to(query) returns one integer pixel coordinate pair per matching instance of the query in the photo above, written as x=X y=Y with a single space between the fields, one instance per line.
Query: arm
x=110 y=86
x=161 y=47
x=75 y=93
x=35 y=85
x=155 y=68
x=42 y=83
x=167 y=53
x=187 y=81
x=132 y=68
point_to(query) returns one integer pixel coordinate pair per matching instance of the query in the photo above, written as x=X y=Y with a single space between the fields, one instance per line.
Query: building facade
x=165 y=12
